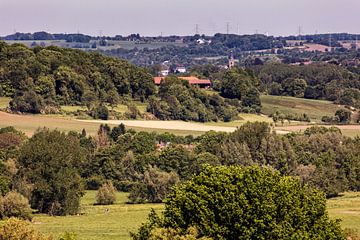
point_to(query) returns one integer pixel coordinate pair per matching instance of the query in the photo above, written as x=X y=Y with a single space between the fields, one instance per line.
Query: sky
x=179 y=17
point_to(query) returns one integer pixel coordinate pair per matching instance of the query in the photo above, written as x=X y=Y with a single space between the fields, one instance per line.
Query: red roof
x=191 y=80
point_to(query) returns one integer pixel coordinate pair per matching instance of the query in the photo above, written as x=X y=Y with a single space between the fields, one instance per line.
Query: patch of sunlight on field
x=73 y=108
x=4 y=102
x=244 y=118
x=351 y=132
x=94 y=223
x=347 y=208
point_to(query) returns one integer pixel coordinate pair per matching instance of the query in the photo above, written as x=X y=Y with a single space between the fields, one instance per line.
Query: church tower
x=231 y=61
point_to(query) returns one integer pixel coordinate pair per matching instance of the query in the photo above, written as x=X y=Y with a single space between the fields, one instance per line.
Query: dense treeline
x=44 y=36
x=314 y=81
x=40 y=78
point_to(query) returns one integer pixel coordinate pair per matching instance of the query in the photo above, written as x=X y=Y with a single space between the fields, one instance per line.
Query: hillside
x=315 y=109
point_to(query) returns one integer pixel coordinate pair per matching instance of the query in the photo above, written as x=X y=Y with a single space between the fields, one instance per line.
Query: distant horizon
x=179 y=17
x=125 y=35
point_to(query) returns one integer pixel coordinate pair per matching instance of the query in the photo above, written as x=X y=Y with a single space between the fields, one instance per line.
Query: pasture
x=347 y=208
x=4 y=102
x=315 y=109
x=95 y=224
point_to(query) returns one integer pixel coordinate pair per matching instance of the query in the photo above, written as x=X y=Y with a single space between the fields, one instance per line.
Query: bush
x=15 y=205
x=100 y=112
x=30 y=102
x=16 y=229
x=344 y=115
x=106 y=194
x=155 y=186
x=94 y=182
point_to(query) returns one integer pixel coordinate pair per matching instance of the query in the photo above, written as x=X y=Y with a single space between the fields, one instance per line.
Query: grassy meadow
x=4 y=102
x=347 y=208
x=315 y=109
x=95 y=224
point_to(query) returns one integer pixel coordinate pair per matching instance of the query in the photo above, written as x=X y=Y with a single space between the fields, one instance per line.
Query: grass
x=352 y=133
x=121 y=108
x=315 y=109
x=94 y=223
x=346 y=208
x=244 y=118
x=4 y=102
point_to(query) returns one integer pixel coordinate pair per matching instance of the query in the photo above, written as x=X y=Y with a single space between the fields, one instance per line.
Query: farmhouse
x=202 y=83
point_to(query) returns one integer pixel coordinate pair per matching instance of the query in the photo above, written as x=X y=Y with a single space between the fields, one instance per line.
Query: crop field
x=315 y=109
x=95 y=224
x=30 y=123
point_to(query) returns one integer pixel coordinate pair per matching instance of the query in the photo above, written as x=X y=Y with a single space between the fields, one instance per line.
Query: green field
x=347 y=208
x=95 y=224
x=121 y=108
x=315 y=109
x=244 y=118
x=4 y=102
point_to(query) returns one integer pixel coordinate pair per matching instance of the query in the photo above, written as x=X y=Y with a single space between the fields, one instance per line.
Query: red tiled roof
x=191 y=80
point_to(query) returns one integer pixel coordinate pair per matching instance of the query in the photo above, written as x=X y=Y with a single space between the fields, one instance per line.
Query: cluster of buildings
x=202 y=83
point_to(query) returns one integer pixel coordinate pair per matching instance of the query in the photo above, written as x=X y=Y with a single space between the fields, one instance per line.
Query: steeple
x=231 y=60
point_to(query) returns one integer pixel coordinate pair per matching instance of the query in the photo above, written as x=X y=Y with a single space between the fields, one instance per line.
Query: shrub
x=344 y=115
x=14 y=204
x=94 y=182
x=100 y=112
x=16 y=229
x=106 y=194
x=30 y=102
x=155 y=186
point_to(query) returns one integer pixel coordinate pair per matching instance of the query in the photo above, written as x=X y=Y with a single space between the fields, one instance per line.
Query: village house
x=180 y=69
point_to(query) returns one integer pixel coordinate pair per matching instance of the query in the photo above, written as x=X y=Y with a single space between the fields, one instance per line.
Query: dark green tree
x=50 y=160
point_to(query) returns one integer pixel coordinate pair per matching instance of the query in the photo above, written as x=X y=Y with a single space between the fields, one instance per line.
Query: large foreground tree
x=246 y=203
x=49 y=161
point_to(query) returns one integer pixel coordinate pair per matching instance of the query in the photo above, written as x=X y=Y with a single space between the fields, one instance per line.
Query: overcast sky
x=179 y=17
